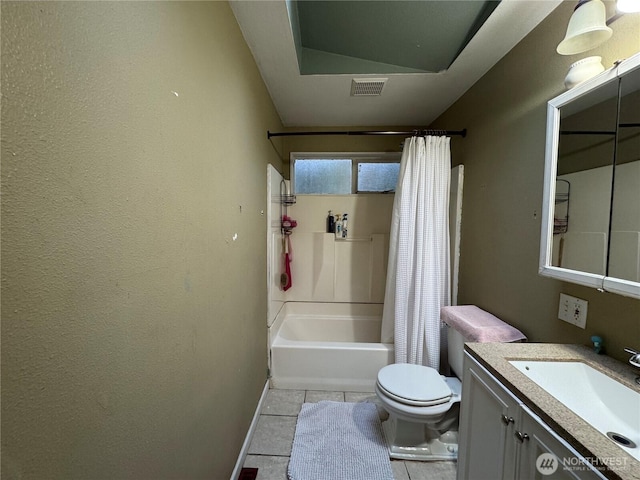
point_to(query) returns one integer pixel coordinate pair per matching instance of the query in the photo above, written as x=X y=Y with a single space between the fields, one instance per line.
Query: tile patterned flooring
x=271 y=444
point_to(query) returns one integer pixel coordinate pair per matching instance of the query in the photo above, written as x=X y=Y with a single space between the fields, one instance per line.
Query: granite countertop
x=579 y=434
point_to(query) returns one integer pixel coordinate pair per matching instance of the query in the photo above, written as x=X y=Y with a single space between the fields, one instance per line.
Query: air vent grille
x=367 y=87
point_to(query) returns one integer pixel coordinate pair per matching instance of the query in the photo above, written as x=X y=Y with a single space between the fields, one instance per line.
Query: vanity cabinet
x=502 y=439
x=486 y=449
x=539 y=440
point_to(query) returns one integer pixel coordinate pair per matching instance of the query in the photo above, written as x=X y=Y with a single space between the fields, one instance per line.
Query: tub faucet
x=634 y=360
x=635 y=357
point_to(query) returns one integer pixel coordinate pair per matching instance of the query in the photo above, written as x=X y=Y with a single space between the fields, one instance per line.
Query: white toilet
x=423 y=405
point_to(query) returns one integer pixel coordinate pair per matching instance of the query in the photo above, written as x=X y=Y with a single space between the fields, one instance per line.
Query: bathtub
x=327 y=346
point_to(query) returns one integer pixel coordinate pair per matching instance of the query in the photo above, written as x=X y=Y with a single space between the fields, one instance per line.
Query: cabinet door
x=545 y=456
x=487 y=450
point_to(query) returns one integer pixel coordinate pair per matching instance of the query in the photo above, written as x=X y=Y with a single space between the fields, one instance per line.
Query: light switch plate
x=573 y=310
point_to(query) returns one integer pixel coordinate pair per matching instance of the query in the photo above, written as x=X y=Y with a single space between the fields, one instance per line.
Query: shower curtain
x=418 y=268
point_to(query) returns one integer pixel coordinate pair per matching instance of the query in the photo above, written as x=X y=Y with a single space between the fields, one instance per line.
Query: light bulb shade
x=583 y=70
x=587 y=29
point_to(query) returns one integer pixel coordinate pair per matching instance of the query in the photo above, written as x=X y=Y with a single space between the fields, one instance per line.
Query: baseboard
x=252 y=428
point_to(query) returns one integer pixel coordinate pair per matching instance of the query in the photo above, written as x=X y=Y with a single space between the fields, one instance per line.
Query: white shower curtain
x=418 y=269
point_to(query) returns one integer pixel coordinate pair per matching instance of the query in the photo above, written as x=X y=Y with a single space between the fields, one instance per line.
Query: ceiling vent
x=367 y=87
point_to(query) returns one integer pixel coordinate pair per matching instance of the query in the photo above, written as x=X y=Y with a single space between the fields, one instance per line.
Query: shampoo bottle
x=338 y=227
x=344 y=226
x=331 y=224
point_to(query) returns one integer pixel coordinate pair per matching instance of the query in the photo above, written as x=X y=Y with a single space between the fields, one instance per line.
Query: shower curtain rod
x=461 y=133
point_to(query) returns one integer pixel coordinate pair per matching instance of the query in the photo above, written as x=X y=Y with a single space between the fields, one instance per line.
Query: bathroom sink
x=607 y=405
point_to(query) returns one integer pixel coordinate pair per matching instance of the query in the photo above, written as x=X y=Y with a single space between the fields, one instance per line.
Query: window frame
x=355 y=157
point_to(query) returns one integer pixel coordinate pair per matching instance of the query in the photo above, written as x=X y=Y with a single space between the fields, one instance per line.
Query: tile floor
x=271 y=444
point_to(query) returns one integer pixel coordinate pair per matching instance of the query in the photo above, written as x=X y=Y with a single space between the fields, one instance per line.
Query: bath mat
x=339 y=441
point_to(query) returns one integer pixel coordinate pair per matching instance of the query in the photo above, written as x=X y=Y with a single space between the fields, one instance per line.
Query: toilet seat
x=414 y=385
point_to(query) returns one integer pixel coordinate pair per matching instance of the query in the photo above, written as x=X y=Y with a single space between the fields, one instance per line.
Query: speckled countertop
x=578 y=433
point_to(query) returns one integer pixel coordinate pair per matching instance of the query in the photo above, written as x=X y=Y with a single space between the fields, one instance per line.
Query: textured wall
x=133 y=317
x=503 y=155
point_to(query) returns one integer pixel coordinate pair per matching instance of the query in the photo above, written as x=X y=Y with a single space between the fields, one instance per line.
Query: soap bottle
x=331 y=223
x=338 y=226
x=344 y=226
x=598 y=346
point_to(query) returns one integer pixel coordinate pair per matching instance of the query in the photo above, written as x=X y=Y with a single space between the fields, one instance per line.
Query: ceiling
x=334 y=37
x=429 y=51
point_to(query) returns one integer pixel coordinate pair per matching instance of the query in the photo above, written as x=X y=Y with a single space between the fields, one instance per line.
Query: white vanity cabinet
x=486 y=449
x=502 y=439
x=540 y=439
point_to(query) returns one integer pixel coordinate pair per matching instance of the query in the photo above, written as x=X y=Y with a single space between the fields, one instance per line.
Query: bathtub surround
x=418 y=274
x=327 y=269
x=327 y=346
x=351 y=270
x=133 y=152
x=324 y=332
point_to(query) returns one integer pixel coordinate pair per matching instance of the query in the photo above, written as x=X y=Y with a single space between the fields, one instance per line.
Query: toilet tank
x=468 y=323
x=455 y=348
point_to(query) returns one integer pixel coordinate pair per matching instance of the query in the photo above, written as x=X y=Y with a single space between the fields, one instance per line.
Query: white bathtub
x=327 y=346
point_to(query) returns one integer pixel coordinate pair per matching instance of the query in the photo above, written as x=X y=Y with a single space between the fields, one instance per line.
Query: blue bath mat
x=339 y=441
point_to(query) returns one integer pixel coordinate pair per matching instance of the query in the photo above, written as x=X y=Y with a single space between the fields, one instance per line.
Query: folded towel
x=476 y=325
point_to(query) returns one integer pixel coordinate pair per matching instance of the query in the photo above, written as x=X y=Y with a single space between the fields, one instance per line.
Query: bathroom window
x=378 y=177
x=344 y=174
x=323 y=176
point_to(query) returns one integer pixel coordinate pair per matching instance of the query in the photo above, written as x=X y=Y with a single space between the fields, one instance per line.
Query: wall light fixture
x=587 y=28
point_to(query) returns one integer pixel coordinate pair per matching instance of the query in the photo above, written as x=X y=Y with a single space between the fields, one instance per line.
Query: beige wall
x=503 y=154
x=133 y=324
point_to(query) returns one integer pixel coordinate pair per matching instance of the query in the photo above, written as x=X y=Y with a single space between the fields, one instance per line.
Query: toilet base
x=416 y=441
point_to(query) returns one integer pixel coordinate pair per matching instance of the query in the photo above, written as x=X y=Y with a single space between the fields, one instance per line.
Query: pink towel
x=476 y=325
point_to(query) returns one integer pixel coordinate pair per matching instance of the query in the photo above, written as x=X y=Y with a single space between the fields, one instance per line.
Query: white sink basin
x=607 y=405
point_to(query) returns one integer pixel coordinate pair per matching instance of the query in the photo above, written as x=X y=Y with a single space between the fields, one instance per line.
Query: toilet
x=423 y=405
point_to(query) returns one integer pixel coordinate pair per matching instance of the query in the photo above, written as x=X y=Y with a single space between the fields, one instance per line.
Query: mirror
x=591 y=212
x=624 y=255
x=586 y=147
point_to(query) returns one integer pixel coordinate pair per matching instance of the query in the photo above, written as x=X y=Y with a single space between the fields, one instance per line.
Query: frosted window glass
x=378 y=177
x=330 y=176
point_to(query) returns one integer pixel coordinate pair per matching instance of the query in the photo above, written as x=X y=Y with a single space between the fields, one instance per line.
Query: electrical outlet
x=573 y=310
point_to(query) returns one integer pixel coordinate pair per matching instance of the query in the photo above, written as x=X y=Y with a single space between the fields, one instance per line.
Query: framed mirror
x=624 y=248
x=591 y=213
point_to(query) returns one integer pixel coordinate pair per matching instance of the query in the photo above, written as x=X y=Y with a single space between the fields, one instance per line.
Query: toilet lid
x=414 y=384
